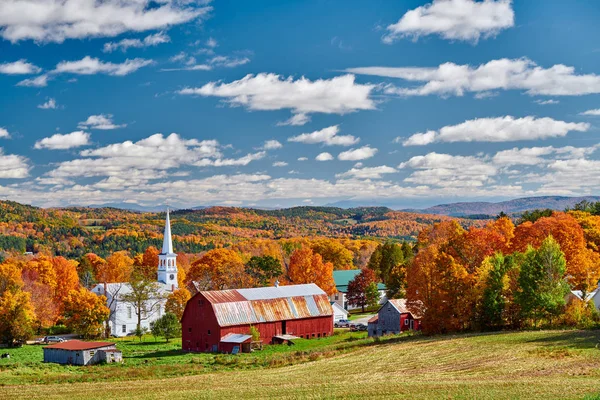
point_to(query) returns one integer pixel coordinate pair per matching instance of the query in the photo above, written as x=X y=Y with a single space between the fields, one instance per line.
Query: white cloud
x=92 y=66
x=445 y=170
x=280 y=164
x=13 y=166
x=49 y=105
x=361 y=153
x=547 y=102
x=535 y=155
x=295 y=120
x=367 y=172
x=148 y=159
x=595 y=112
x=466 y=20
x=38 y=81
x=228 y=61
x=503 y=74
x=328 y=136
x=302 y=158
x=101 y=121
x=149 y=41
x=20 y=67
x=324 y=157
x=212 y=43
x=502 y=129
x=57 y=20
x=64 y=142
x=339 y=95
x=272 y=145
x=4 y=133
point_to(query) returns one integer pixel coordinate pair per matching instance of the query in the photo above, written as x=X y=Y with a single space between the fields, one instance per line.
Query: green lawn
x=522 y=365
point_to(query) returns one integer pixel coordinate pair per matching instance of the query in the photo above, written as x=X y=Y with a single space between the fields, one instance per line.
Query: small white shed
x=78 y=352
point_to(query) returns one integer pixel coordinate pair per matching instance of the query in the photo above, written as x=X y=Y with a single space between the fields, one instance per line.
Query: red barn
x=211 y=317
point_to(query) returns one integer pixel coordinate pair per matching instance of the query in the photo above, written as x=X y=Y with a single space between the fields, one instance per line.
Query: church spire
x=167 y=247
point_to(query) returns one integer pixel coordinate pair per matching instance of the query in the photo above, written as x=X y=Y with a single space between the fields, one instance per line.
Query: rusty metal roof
x=252 y=306
x=79 y=345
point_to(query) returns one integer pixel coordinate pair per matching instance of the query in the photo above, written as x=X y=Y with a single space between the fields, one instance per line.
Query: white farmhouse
x=123 y=318
x=593 y=296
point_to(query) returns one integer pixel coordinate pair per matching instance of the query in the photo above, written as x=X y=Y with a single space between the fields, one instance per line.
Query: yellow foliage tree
x=17 y=317
x=176 y=302
x=85 y=312
x=308 y=267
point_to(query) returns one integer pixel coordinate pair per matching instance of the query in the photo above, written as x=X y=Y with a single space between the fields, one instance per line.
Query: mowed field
x=522 y=365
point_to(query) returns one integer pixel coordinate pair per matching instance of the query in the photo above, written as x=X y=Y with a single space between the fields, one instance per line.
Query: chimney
x=172 y=287
x=104 y=288
x=277 y=283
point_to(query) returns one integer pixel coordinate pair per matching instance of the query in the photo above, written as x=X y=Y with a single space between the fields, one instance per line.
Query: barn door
x=284 y=327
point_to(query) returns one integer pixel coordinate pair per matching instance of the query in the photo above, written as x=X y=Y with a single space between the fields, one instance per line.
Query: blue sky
x=269 y=103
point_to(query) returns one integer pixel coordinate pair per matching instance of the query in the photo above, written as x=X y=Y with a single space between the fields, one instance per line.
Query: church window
x=124 y=329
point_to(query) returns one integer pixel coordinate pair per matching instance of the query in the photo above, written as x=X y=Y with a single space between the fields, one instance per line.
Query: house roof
x=588 y=297
x=373 y=320
x=79 y=345
x=337 y=306
x=400 y=306
x=235 y=338
x=120 y=288
x=343 y=277
x=251 y=306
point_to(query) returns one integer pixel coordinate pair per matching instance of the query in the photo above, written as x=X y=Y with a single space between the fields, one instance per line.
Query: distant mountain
x=508 y=207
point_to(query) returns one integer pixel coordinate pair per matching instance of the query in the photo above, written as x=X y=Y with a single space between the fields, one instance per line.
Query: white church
x=123 y=316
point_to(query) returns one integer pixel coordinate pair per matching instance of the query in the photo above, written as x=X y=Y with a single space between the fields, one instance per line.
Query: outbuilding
x=338 y=312
x=77 y=352
x=393 y=318
x=210 y=317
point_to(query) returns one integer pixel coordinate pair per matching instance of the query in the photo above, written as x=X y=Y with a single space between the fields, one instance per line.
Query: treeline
x=502 y=276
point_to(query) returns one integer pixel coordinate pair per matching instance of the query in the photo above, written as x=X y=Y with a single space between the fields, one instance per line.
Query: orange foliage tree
x=176 y=302
x=583 y=264
x=308 y=267
x=85 y=312
x=146 y=263
x=66 y=278
x=218 y=269
x=118 y=268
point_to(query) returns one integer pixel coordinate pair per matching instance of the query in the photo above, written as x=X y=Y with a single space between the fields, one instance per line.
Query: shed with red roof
x=78 y=352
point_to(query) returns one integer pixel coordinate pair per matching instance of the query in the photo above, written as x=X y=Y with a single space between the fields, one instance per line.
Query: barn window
x=201 y=303
x=124 y=328
x=318 y=335
x=190 y=330
x=92 y=353
x=209 y=331
x=406 y=321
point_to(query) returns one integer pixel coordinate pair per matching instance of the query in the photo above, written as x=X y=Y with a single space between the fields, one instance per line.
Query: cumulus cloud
x=465 y=20
x=20 y=67
x=302 y=158
x=49 y=105
x=339 y=95
x=324 y=157
x=295 y=120
x=149 y=41
x=4 y=133
x=13 y=166
x=64 y=142
x=58 y=20
x=502 y=129
x=148 y=158
x=327 y=136
x=536 y=155
x=595 y=112
x=367 y=172
x=361 y=153
x=272 y=145
x=38 y=81
x=503 y=74
x=190 y=63
x=92 y=66
x=101 y=122
x=280 y=164
x=447 y=170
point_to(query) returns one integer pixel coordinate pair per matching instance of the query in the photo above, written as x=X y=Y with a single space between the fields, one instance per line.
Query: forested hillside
x=73 y=232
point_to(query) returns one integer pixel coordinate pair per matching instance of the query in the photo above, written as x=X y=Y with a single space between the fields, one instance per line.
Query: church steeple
x=167 y=259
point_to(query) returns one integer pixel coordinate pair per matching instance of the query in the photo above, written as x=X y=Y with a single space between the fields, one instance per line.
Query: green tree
x=541 y=281
x=496 y=288
x=166 y=326
x=362 y=290
x=264 y=269
x=145 y=298
x=385 y=259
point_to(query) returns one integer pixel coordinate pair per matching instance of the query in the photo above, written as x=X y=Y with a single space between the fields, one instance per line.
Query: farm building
x=342 y=278
x=211 y=317
x=338 y=312
x=392 y=318
x=593 y=296
x=77 y=352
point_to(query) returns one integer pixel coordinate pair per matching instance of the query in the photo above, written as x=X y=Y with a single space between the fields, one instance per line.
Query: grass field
x=523 y=365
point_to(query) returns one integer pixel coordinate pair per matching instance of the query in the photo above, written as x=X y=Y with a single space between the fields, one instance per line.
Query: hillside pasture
x=523 y=365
